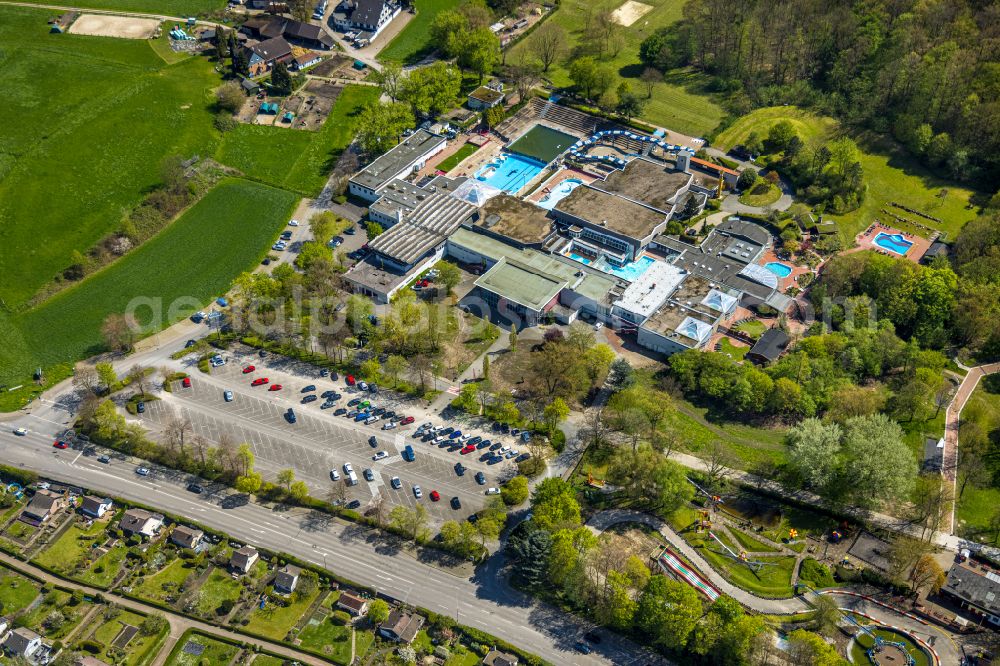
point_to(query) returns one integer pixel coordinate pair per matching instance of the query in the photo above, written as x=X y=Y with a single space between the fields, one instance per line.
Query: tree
x=629 y=103
x=381 y=126
x=808 y=649
x=249 y=483
x=528 y=551
x=480 y=51
x=281 y=80
x=649 y=479
x=378 y=611
x=668 y=612
x=650 y=77
x=932 y=502
x=119 y=332
x=432 y=89
x=412 y=522
x=106 y=374
x=449 y=275
x=230 y=97
x=85 y=378
x=298 y=491
x=973 y=448
x=549 y=44
x=447 y=32
x=395 y=366
x=286 y=478
x=515 y=491
x=590 y=78
x=389 y=78
x=878 y=465
x=748 y=177
x=622 y=375
x=555 y=413
x=813 y=449
x=927 y=573
x=554 y=505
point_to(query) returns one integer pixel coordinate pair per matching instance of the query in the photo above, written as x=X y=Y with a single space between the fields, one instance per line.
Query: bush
x=225 y=122
x=91 y=646
x=558 y=441
x=341 y=617
x=515 y=491
x=815 y=574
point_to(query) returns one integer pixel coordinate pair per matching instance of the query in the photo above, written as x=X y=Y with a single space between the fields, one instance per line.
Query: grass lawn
x=218 y=587
x=453 y=160
x=183 y=261
x=327 y=637
x=180 y=8
x=891 y=174
x=363 y=642
x=863 y=643
x=754 y=328
x=215 y=652
x=774 y=580
x=276 y=621
x=294 y=159
x=699 y=427
x=268 y=660
x=104 y=570
x=680 y=102
x=63 y=554
x=20 y=531
x=769 y=194
x=56 y=600
x=413 y=42
x=978 y=505
x=137 y=649
x=726 y=346
x=76 y=93
x=750 y=544
x=165 y=582
x=16 y=591
x=461 y=656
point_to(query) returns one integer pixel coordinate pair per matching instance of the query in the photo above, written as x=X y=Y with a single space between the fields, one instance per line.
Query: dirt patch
x=339 y=66
x=630 y=12
x=310 y=106
x=125 y=27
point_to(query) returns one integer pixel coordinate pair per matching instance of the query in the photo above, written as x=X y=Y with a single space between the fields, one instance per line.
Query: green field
x=195 y=258
x=276 y=621
x=72 y=547
x=413 y=42
x=329 y=638
x=66 y=174
x=16 y=591
x=890 y=173
x=165 y=582
x=680 y=102
x=56 y=600
x=218 y=587
x=215 y=652
x=453 y=160
x=137 y=649
x=179 y=8
x=294 y=159
x=978 y=505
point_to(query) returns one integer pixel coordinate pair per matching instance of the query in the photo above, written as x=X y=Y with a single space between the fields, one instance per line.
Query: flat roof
x=615 y=213
x=724 y=269
x=651 y=289
x=378 y=276
x=515 y=218
x=398 y=195
x=429 y=224
x=523 y=284
x=678 y=322
x=486 y=94
x=652 y=183
x=397 y=160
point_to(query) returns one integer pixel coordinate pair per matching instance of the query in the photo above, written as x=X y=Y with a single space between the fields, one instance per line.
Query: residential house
x=141 y=522
x=769 y=347
x=186 y=537
x=302 y=34
x=354 y=605
x=22 y=642
x=497 y=658
x=42 y=506
x=286 y=579
x=401 y=627
x=264 y=55
x=486 y=97
x=975 y=589
x=95 y=507
x=370 y=16
x=306 y=60
x=243 y=559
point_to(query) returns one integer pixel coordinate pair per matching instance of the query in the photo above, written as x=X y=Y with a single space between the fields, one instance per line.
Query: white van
x=352 y=478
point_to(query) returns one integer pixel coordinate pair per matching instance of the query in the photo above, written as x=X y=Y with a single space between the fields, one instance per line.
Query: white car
x=228 y=395
x=363 y=386
x=389 y=426
x=334 y=475
x=599 y=325
x=381 y=455
x=370 y=420
x=293 y=223
x=142 y=471
x=492 y=491
x=348 y=468
x=20 y=432
x=395 y=482
x=417 y=492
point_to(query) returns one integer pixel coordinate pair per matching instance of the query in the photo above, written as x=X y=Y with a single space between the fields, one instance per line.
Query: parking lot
x=318 y=441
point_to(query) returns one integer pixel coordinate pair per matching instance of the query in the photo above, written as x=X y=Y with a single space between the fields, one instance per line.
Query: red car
x=260 y=381
x=350 y=380
x=59 y=444
x=186 y=383
x=275 y=387
x=468 y=448
x=425 y=283
x=407 y=420
x=247 y=370
x=435 y=496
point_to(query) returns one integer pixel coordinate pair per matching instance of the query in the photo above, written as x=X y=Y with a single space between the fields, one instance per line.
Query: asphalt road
x=483 y=601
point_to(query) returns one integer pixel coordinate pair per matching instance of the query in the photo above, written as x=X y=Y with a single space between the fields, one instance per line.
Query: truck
x=408 y=454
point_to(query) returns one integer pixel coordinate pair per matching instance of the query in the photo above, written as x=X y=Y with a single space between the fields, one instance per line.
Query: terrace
x=648 y=182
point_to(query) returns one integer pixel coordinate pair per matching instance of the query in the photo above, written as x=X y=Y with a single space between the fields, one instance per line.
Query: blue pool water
x=893 y=242
x=779 y=269
x=560 y=192
x=510 y=172
x=631 y=271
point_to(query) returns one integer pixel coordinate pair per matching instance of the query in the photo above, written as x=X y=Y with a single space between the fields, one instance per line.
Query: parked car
x=142 y=471
x=483 y=444
x=582 y=647
x=324 y=373
x=308 y=389
x=327 y=405
x=406 y=420
x=309 y=398
x=20 y=432
x=389 y=425
x=189 y=343
x=290 y=415
x=492 y=491
x=480 y=478
x=59 y=444
x=353 y=504
x=417 y=492
x=495 y=446
x=455 y=434
x=353 y=401
x=227 y=395
x=372 y=441
x=106 y=459
x=339 y=411
x=467 y=449
x=250 y=368
x=350 y=380
x=348 y=467
x=140 y=407
x=369 y=474
x=195 y=488
x=370 y=420
x=275 y=387
x=456 y=503
x=459 y=469
x=363 y=386
x=186 y=382
x=334 y=475
x=395 y=482
x=260 y=381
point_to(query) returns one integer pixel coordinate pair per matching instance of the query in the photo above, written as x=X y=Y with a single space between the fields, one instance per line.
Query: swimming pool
x=779 y=269
x=560 y=192
x=894 y=243
x=510 y=172
x=631 y=271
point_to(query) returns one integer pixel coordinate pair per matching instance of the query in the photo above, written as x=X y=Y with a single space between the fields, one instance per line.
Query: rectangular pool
x=510 y=172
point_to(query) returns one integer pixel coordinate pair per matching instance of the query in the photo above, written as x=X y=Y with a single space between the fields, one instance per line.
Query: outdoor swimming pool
x=631 y=271
x=893 y=242
x=510 y=172
x=779 y=269
x=560 y=192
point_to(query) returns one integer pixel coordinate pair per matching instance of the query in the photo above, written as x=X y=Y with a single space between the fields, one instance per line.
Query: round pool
x=778 y=268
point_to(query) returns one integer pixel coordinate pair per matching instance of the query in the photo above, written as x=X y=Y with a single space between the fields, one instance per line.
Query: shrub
x=815 y=574
x=91 y=646
x=341 y=617
x=225 y=122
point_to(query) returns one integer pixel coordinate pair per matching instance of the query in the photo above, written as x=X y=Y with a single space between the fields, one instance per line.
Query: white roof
x=719 y=301
x=760 y=275
x=653 y=287
x=475 y=192
x=694 y=329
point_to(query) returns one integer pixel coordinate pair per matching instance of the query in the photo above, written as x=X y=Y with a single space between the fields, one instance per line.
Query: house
x=769 y=347
x=286 y=579
x=370 y=16
x=262 y=56
x=243 y=559
x=410 y=155
x=186 y=537
x=141 y=522
x=306 y=60
x=302 y=34
x=486 y=97
x=401 y=627
x=95 y=507
x=497 y=658
x=975 y=589
x=41 y=507
x=22 y=642
x=937 y=249
x=354 y=605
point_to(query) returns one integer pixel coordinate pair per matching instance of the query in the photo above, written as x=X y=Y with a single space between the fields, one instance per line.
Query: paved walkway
x=178 y=623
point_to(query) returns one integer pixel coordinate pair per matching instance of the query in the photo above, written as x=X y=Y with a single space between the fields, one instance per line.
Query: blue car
x=455 y=435
x=362 y=416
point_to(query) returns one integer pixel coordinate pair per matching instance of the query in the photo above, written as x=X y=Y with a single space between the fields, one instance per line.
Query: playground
x=124 y=27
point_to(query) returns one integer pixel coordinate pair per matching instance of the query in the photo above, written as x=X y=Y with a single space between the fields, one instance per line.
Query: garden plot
x=630 y=12
x=104 y=25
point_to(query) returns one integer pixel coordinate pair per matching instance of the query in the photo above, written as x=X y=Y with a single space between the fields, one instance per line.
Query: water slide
x=672 y=564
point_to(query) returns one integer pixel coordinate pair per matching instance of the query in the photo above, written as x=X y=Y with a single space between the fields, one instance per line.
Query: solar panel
x=193 y=648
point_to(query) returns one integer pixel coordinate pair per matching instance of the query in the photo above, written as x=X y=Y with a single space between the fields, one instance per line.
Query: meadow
x=890 y=173
x=164 y=7
x=413 y=42
x=66 y=175
x=681 y=102
x=196 y=257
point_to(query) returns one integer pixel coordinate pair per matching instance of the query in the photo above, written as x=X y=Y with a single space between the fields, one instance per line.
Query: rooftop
x=397 y=160
x=422 y=229
x=486 y=95
x=711 y=166
x=521 y=283
x=720 y=269
x=689 y=326
x=378 y=276
x=770 y=345
x=978 y=587
x=398 y=196
x=646 y=181
x=615 y=213
x=653 y=287
x=516 y=219
x=272 y=49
